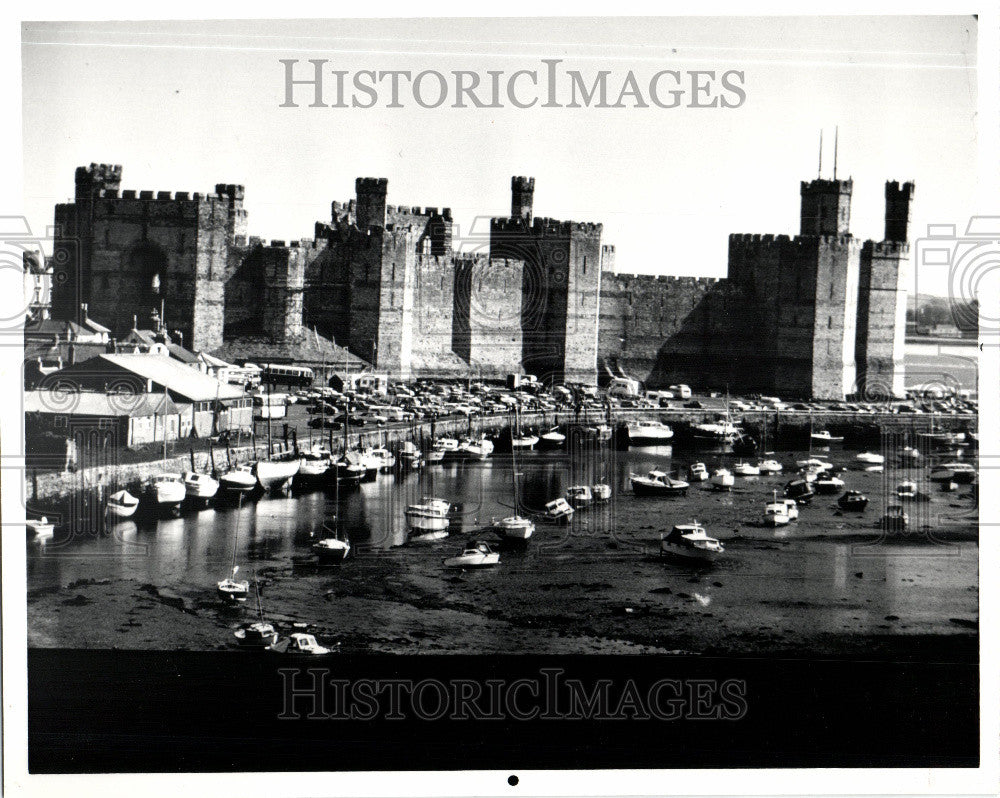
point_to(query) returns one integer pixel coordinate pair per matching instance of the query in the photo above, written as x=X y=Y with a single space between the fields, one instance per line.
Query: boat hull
x=276 y=475
x=645 y=489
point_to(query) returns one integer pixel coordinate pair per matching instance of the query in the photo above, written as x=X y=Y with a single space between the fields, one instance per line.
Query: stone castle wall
x=814 y=315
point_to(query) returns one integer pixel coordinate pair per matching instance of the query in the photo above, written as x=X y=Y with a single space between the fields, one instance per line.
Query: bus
x=280 y=374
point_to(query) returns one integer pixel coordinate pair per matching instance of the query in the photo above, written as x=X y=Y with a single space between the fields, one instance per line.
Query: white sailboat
x=230 y=589
x=122 y=504
x=258 y=634
x=515 y=527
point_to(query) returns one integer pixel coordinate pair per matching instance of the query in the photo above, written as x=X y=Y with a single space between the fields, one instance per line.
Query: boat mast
x=236 y=537
x=270 y=449
x=256 y=590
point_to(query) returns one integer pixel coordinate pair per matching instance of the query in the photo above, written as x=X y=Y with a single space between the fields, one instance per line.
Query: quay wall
x=781 y=425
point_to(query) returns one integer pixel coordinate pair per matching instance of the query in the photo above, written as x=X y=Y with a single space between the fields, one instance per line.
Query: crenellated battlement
x=888 y=249
x=372 y=184
x=543 y=227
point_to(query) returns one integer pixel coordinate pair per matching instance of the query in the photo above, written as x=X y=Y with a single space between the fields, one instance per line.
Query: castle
x=820 y=314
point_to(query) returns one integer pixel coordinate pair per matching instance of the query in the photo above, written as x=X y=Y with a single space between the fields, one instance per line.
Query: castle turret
x=897 y=210
x=522 y=196
x=371 y=193
x=92 y=179
x=826 y=207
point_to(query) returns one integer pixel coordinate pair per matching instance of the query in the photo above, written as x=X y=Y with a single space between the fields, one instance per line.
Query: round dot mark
x=512 y=781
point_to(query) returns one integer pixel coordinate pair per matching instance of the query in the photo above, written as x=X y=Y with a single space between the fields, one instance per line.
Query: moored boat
x=514 y=527
x=552 y=439
x=800 y=490
x=870 y=458
x=742 y=469
x=770 y=467
x=199 y=488
x=276 y=475
x=559 y=510
x=823 y=437
x=122 y=504
x=166 y=492
x=239 y=481
x=299 y=643
x=430 y=515
x=40 y=529
x=474 y=555
x=722 y=479
x=697 y=472
x=827 y=483
x=601 y=492
x=649 y=433
x=657 y=483
x=853 y=501
x=690 y=542
x=580 y=496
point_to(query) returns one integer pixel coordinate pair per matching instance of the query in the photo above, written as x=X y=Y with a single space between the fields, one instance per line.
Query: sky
x=183 y=106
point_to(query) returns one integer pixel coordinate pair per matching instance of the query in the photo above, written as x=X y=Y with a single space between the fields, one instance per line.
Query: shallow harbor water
x=827 y=583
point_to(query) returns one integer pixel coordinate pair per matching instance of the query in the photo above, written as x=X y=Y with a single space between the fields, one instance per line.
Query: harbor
x=832 y=582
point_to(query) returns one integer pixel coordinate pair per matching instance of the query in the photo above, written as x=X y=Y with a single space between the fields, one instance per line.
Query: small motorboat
x=580 y=496
x=770 y=467
x=909 y=454
x=332 y=549
x=370 y=463
x=240 y=480
x=410 y=456
x=870 y=458
x=122 y=504
x=256 y=635
x=963 y=473
x=799 y=489
x=434 y=456
x=384 y=459
x=907 y=490
x=690 y=542
x=791 y=507
x=475 y=555
x=824 y=437
x=199 y=488
x=601 y=492
x=814 y=464
x=827 y=483
x=853 y=501
x=552 y=439
x=697 y=472
x=448 y=446
x=431 y=515
x=40 y=529
x=742 y=469
x=657 y=483
x=894 y=519
x=649 y=433
x=299 y=643
x=559 y=510
x=166 y=492
x=722 y=479
x=776 y=514
x=514 y=527
x=276 y=475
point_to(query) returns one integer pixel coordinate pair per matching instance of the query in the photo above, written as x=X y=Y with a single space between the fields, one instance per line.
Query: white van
x=681 y=391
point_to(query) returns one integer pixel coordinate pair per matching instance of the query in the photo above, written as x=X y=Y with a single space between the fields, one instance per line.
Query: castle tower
x=90 y=180
x=522 y=197
x=882 y=300
x=897 y=210
x=371 y=193
x=826 y=207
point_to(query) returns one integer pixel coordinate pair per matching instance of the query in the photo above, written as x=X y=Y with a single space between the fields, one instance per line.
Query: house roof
x=311 y=349
x=97 y=403
x=186 y=383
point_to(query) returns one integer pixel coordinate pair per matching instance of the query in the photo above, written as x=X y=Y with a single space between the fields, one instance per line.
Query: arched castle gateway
x=820 y=314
